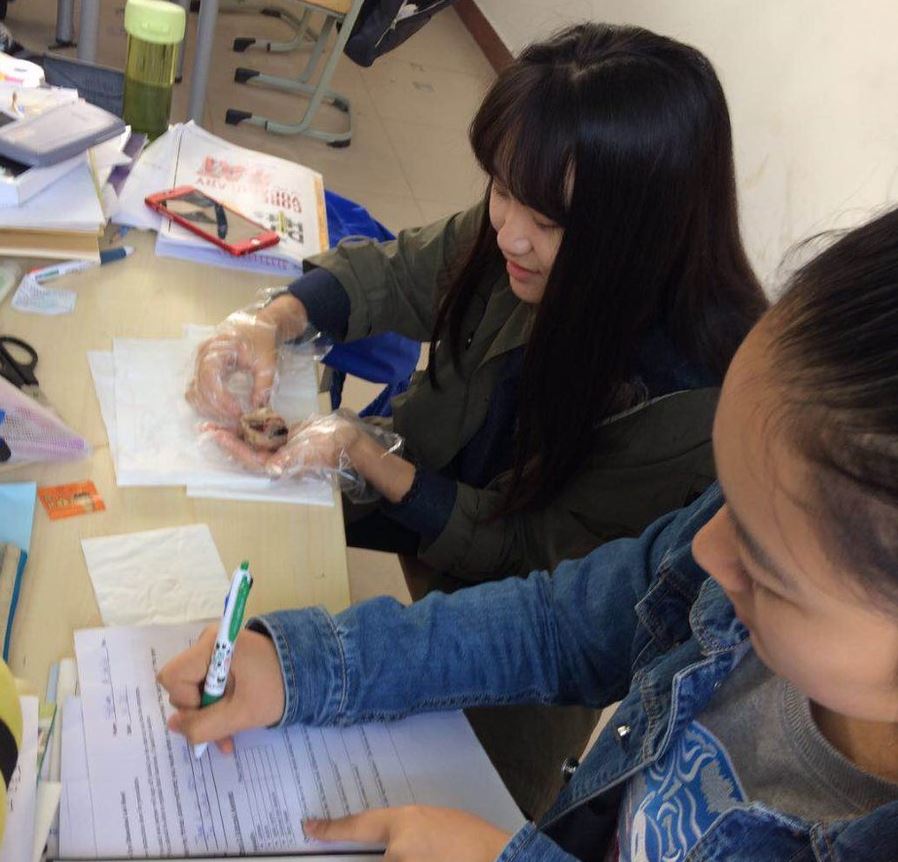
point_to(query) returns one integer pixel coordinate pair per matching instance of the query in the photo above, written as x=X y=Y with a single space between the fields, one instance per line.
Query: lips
x=518 y=271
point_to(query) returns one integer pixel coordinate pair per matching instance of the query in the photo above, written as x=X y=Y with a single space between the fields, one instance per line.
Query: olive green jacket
x=662 y=460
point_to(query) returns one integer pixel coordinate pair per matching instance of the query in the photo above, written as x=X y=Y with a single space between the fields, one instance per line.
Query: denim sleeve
x=560 y=639
x=325 y=301
x=531 y=845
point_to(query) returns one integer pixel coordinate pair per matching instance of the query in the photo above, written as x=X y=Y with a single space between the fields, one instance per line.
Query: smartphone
x=212 y=220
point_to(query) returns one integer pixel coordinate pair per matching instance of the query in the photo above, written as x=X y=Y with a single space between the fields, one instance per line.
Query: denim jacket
x=637 y=620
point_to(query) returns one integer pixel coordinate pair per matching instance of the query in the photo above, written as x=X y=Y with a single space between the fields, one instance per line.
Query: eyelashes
x=757 y=587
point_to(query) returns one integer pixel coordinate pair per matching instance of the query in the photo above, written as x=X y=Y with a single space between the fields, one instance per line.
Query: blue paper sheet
x=17 y=513
x=16 y=519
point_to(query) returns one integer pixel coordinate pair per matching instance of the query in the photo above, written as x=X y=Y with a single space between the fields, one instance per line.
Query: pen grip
x=208 y=699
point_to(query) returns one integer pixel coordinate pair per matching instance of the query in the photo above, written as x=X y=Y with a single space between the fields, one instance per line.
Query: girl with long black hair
x=580 y=320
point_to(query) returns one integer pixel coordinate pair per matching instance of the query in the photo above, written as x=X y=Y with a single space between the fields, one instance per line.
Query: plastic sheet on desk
x=141 y=386
x=310 y=492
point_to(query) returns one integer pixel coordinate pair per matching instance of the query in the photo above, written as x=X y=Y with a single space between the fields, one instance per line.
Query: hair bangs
x=523 y=137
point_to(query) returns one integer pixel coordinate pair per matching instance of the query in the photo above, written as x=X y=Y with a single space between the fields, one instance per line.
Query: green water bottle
x=155 y=30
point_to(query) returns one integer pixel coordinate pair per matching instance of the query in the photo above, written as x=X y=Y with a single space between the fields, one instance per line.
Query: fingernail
x=172 y=722
x=310 y=827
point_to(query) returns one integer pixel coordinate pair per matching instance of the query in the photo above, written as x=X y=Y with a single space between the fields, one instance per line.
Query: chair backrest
x=99 y=85
x=387 y=358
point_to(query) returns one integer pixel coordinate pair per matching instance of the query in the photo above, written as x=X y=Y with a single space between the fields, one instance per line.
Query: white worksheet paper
x=76 y=812
x=46 y=806
x=18 y=841
x=172 y=575
x=158 y=800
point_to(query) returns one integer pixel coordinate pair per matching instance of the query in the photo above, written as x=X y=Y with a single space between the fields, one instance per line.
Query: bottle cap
x=156 y=21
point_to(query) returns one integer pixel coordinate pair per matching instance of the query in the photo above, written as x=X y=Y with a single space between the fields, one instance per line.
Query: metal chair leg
x=179 y=74
x=65 y=28
x=316 y=93
x=303 y=37
x=235 y=117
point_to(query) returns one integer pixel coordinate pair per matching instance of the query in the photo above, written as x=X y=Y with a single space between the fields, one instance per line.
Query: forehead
x=767 y=484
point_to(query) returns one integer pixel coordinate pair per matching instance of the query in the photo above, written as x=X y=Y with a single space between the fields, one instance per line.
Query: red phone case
x=264 y=239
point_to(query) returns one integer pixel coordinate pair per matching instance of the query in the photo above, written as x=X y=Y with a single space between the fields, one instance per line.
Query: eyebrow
x=757 y=552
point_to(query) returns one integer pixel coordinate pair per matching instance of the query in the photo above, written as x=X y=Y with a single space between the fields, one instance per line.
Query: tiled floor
x=409 y=162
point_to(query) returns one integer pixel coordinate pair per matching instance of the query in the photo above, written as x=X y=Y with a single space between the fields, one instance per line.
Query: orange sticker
x=64 y=501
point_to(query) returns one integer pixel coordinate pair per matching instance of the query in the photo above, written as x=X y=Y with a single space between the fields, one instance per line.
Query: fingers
x=244 y=345
x=263 y=382
x=233 y=446
x=368 y=827
x=258 y=355
x=254 y=695
x=216 y=359
x=188 y=669
x=210 y=724
x=183 y=676
x=284 y=458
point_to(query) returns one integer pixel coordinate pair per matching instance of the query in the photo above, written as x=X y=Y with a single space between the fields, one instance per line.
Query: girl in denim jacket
x=751 y=638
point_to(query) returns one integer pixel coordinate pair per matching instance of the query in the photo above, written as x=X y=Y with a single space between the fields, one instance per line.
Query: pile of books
x=58 y=211
x=281 y=195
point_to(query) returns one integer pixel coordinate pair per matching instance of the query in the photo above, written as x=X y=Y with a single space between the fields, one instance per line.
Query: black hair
x=834 y=338
x=622 y=137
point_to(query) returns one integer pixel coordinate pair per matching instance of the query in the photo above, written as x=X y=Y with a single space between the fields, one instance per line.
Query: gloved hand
x=321 y=445
x=246 y=341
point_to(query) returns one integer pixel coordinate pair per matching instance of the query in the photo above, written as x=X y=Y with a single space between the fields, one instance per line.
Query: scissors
x=19 y=371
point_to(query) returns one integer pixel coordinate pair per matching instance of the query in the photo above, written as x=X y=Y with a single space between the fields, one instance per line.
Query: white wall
x=812 y=87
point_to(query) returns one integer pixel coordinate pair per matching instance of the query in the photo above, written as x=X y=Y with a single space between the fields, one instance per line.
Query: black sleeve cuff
x=326 y=302
x=427 y=506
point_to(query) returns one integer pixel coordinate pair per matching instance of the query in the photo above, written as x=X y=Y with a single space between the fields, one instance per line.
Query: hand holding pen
x=252 y=690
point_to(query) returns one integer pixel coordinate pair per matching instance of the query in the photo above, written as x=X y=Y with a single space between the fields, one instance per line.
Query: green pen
x=228 y=629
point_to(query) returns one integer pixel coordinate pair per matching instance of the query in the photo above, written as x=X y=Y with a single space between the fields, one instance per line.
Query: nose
x=512 y=235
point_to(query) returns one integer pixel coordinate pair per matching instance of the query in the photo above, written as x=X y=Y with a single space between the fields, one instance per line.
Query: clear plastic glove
x=247 y=341
x=320 y=445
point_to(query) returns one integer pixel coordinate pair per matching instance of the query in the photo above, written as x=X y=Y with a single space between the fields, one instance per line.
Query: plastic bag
x=32 y=433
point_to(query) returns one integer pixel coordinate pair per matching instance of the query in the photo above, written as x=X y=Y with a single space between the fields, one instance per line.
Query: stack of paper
x=282 y=196
x=55 y=211
x=31 y=805
x=132 y=789
x=19 y=182
x=154 y=433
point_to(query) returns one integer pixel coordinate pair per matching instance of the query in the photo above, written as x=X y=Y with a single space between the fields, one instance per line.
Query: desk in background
x=298 y=553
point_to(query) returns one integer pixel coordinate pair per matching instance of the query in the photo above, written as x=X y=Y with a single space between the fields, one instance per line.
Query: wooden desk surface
x=298 y=553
